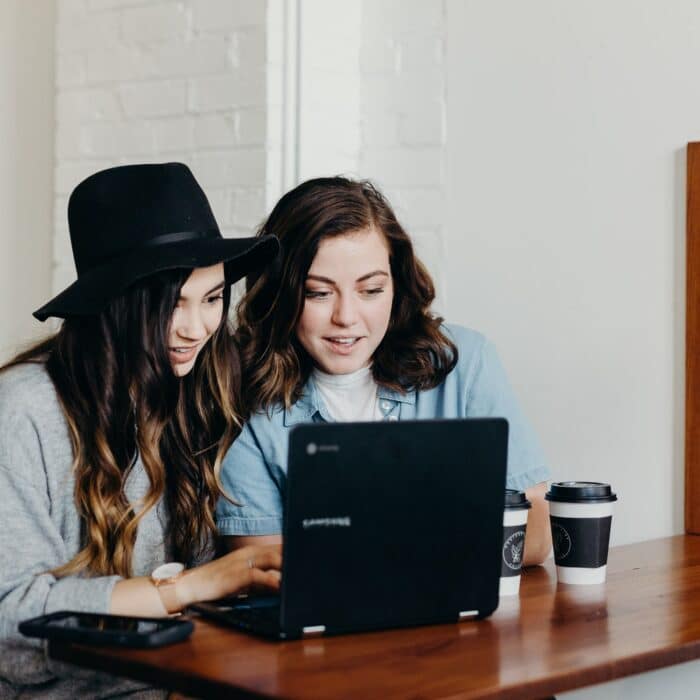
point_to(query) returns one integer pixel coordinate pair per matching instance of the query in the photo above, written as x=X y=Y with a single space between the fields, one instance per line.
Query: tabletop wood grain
x=551 y=639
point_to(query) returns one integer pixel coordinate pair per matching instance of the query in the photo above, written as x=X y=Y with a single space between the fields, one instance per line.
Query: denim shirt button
x=386 y=406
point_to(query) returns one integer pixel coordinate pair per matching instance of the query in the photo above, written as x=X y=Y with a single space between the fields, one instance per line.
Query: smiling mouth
x=344 y=341
x=343 y=344
x=183 y=354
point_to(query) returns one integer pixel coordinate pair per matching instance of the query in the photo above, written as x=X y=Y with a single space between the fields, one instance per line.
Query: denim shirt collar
x=310 y=405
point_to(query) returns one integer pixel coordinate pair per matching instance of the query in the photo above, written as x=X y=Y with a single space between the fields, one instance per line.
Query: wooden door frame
x=692 y=342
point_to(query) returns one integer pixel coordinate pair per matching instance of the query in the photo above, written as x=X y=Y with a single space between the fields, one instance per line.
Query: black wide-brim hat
x=129 y=222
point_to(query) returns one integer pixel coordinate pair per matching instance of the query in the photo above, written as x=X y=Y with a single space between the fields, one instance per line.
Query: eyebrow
x=328 y=280
x=217 y=288
x=211 y=291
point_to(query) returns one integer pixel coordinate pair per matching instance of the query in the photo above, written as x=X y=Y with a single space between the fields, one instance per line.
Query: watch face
x=168 y=570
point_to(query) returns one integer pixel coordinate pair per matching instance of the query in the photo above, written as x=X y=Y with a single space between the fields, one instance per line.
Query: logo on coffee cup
x=513 y=550
x=561 y=541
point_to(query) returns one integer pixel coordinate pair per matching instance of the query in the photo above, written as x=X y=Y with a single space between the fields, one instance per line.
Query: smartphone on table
x=112 y=630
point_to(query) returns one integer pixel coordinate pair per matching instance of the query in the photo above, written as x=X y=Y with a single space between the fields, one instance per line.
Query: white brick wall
x=403 y=114
x=208 y=82
x=158 y=80
x=373 y=104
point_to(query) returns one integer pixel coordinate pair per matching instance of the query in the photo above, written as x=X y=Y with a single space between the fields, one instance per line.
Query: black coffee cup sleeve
x=581 y=542
x=513 y=549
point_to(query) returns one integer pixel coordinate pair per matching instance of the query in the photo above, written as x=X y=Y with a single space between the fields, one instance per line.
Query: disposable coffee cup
x=580 y=514
x=514 y=525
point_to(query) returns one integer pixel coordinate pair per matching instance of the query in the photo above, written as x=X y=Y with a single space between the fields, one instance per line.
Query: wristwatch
x=164 y=579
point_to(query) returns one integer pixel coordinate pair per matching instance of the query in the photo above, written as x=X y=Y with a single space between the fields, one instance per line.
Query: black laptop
x=385 y=525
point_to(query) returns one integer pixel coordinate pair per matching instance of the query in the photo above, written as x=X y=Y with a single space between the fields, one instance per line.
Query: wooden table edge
x=593 y=675
x=525 y=690
x=137 y=670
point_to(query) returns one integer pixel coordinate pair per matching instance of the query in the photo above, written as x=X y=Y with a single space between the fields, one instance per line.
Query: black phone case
x=172 y=630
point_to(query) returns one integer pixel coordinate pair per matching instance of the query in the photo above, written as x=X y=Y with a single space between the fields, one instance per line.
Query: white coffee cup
x=514 y=526
x=580 y=515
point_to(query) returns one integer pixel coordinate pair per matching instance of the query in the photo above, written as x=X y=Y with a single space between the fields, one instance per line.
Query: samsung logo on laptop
x=312 y=448
x=307 y=523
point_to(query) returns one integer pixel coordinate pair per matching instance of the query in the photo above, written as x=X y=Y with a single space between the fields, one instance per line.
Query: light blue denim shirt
x=255 y=469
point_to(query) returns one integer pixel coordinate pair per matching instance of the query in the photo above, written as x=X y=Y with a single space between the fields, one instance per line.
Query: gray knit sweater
x=39 y=530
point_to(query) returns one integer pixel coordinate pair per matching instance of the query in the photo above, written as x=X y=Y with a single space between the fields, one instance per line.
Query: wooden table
x=553 y=638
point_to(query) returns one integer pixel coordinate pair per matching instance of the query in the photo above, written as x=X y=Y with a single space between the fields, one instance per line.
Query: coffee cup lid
x=580 y=492
x=516 y=500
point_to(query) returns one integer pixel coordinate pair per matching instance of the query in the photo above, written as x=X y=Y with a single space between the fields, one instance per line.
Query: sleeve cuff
x=81 y=594
x=524 y=480
x=271 y=525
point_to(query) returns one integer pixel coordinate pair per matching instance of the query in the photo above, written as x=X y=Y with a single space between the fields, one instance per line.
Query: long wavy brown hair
x=121 y=398
x=414 y=354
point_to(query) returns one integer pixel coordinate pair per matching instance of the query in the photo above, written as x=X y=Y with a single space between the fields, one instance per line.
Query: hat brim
x=91 y=292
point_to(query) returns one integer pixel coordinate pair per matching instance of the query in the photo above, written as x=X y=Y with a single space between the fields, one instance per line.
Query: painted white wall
x=26 y=167
x=329 y=88
x=567 y=124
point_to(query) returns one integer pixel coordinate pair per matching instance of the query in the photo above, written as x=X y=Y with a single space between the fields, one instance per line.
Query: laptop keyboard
x=256 y=614
x=263 y=616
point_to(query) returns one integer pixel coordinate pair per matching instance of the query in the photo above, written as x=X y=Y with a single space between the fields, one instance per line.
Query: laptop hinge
x=466 y=614
x=313 y=630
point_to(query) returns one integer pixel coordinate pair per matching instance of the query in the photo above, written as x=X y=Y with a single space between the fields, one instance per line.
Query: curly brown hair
x=414 y=354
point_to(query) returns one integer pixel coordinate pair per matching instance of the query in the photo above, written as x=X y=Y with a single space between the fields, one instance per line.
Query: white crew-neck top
x=349 y=397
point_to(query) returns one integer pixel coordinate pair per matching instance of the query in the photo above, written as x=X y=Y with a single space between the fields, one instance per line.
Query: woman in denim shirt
x=351 y=337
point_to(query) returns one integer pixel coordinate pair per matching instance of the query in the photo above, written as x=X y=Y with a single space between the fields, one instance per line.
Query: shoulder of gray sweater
x=26 y=387
x=30 y=413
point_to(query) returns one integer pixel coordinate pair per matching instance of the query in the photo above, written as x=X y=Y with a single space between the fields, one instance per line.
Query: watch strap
x=167 y=590
x=168 y=596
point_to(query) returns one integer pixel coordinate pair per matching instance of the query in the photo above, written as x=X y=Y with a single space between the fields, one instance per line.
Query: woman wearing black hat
x=112 y=431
